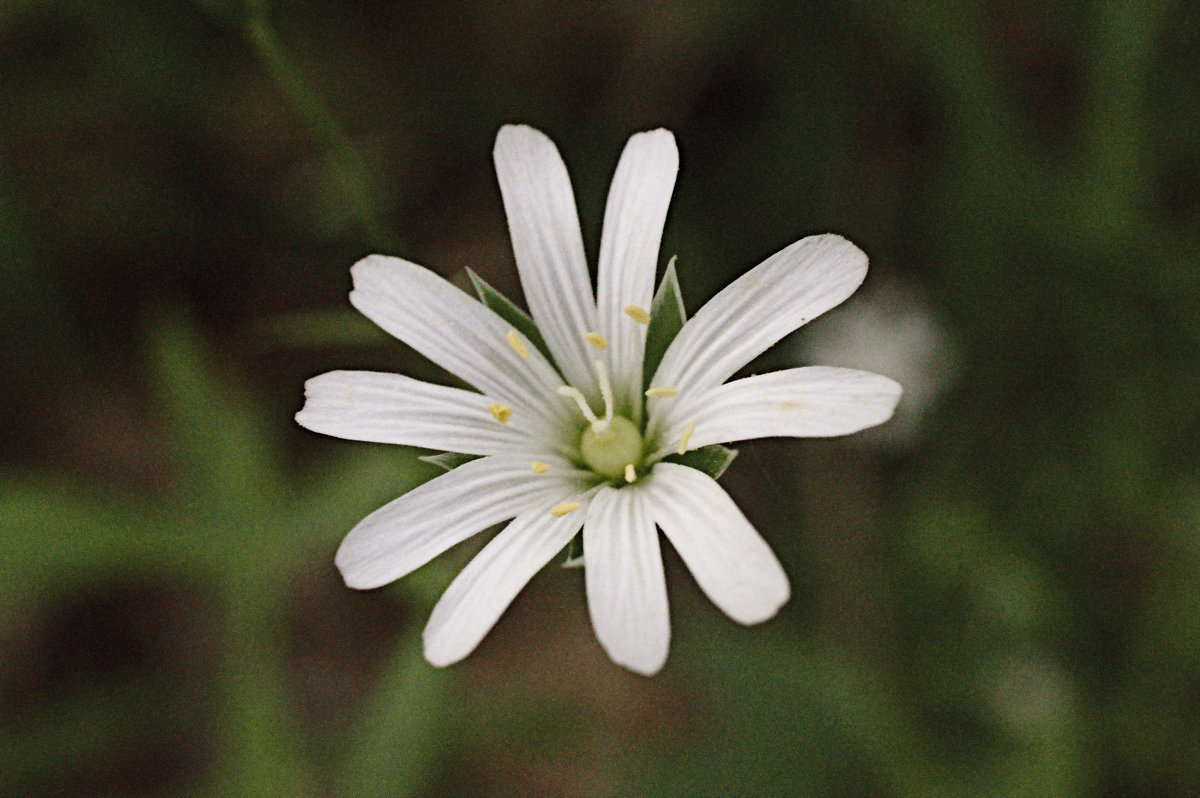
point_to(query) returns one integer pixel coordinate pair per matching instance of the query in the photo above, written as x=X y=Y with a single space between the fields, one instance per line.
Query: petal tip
x=769 y=607
x=367 y=276
x=897 y=393
x=660 y=136
x=642 y=666
x=370 y=262
x=356 y=574
x=438 y=654
x=510 y=138
x=355 y=583
x=890 y=393
x=658 y=143
x=369 y=269
x=847 y=249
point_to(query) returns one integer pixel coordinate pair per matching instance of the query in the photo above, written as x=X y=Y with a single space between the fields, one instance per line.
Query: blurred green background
x=998 y=594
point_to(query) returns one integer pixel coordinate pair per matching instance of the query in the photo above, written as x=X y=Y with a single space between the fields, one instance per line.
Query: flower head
x=601 y=413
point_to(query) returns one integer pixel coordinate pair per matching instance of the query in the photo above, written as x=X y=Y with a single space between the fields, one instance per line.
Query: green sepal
x=712 y=459
x=503 y=307
x=666 y=320
x=448 y=460
x=574 y=552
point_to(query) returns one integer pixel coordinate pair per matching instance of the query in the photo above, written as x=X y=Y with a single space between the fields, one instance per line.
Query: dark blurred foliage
x=1004 y=600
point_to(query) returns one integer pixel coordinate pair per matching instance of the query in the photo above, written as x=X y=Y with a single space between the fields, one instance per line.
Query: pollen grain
x=500 y=412
x=687 y=433
x=559 y=510
x=640 y=315
x=517 y=344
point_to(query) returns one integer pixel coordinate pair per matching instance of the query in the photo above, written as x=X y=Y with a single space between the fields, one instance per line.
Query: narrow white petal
x=480 y=594
x=456 y=332
x=391 y=408
x=730 y=561
x=633 y=228
x=405 y=534
x=548 y=248
x=811 y=402
x=626 y=588
x=781 y=294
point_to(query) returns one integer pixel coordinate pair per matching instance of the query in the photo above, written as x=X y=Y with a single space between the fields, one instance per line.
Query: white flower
x=573 y=442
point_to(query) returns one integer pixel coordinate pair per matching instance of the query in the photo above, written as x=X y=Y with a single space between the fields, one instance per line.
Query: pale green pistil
x=607 y=447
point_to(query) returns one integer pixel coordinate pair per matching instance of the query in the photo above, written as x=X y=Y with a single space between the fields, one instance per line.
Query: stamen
x=664 y=390
x=517 y=344
x=574 y=393
x=640 y=315
x=539 y=467
x=630 y=474
x=559 y=510
x=687 y=433
x=605 y=389
x=597 y=340
x=500 y=412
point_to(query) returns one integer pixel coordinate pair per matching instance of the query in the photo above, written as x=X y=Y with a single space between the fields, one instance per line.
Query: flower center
x=610 y=445
x=612 y=448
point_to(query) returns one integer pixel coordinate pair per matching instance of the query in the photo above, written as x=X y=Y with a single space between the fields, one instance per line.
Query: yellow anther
x=687 y=433
x=517 y=344
x=630 y=474
x=640 y=315
x=539 y=467
x=597 y=340
x=665 y=390
x=559 y=510
x=500 y=412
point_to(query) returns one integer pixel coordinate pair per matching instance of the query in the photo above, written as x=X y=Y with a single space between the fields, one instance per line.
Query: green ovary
x=617 y=445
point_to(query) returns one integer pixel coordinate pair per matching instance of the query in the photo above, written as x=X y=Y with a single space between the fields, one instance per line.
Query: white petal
x=480 y=594
x=731 y=562
x=459 y=334
x=633 y=227
x=407 y=533
x=548 y=248
x=626 y=588
x=391 y=408
x=766 y=303
x=811 y=402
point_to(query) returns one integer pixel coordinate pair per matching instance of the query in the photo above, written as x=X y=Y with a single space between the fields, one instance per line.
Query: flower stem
x=350 y=168
x=264 y=756
x=401 y=734
x=1121 y=67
